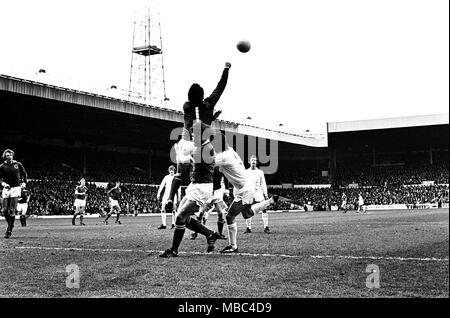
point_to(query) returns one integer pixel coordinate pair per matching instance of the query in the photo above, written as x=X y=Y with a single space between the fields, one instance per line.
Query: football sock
x=220 y=226
x=163 y=217
x=177 y=237
x=173 y=218
x=81 y=218
x=232 y=237
x=265 y=218
x=7 y=217
x=249 y=222
x=12 y=218
x=118 y=216
x=261 y=206
x=197 y=227
x=207 y=214
x=107 y=217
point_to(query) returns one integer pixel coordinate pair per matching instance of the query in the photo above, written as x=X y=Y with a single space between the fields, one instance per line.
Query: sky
x=311 y=62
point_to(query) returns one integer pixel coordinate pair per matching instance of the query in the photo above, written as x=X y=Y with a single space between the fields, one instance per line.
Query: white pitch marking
x=395 y=258
x=425 y=259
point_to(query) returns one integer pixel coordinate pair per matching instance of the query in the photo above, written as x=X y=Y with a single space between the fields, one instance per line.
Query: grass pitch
x=313 y=254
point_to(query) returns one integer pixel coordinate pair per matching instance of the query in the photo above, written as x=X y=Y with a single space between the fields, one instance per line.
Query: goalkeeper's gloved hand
x=217 y=114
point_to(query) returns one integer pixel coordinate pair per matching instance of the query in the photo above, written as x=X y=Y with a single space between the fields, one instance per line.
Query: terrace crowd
x=57 y=197
x=52 y=185
x=322 y=199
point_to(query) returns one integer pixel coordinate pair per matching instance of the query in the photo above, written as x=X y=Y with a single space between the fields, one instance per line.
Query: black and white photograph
x=224 y=156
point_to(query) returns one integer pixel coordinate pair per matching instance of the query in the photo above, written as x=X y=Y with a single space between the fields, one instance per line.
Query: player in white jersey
x=344 y=205
x=257 y=177
x=217 y=203
x=361 y=206
x=166 y=184
x=232 y=167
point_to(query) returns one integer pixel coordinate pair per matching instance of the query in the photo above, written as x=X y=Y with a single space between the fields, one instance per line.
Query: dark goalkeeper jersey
x=206 y=108
x=203 y=167
x=12 y=172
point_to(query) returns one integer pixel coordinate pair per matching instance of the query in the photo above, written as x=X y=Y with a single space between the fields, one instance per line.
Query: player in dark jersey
x=199 y=191
x=80 y=201
x=22 y=205
x=12 y=177
x=207 y=116
x=114 y=195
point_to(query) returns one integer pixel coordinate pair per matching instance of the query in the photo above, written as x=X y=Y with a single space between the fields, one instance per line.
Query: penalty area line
x=392 y=258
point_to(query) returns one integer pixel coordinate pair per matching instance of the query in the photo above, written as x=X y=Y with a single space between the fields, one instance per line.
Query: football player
x=114 y=195
x=361 y=206
x=257 y=177
x=198 y=193
x=205 y=107
x=80 y=201
x=232 y=167
x=219 y=190
x=166 y=184
x=13 y=177
x=344 y=203
x=22 y=205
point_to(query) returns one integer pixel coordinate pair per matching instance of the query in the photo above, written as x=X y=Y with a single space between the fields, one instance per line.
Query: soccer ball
x=243 y=46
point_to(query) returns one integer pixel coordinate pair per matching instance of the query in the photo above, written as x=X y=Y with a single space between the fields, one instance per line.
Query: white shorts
x=80 y=203
x=259 y=196
x=113 y=203
x=218 y=196
x=246 y=194
x=165 y=198
x=199 y=192
x=14 y=192
x=22 y=207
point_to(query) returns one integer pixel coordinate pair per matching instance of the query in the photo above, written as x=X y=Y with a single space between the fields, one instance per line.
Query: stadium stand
x=61 y=135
